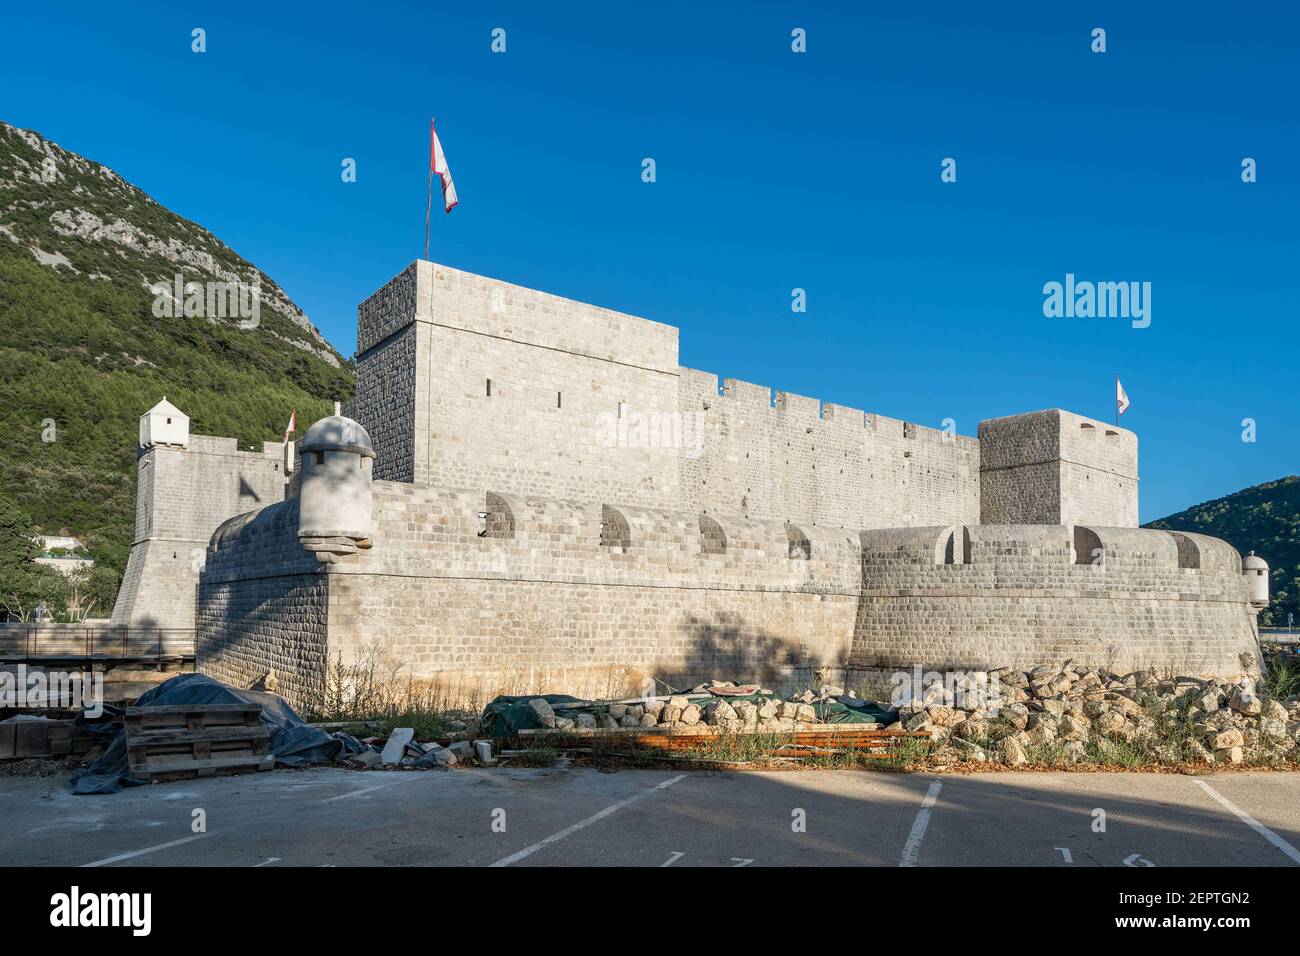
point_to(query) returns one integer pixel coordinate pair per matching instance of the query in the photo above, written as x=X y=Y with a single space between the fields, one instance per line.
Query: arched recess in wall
x=954 y=544
x=800 y=548
x=615 y=532
x=1189 y=552
x=713 y=540
x=1088 y=548
x=500 y=519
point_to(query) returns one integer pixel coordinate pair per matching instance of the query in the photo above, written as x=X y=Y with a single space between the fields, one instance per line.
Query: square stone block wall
x=1055 y=467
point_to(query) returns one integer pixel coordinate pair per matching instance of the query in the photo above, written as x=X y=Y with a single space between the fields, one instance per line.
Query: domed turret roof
x=338 y=433
x=1253 y=562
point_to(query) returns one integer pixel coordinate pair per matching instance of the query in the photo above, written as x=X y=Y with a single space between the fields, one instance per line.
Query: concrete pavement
x=522 y=817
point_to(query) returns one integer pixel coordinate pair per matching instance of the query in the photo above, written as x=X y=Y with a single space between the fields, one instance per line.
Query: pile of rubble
x=1075 y=713
x=717 y=705
x=402 y=750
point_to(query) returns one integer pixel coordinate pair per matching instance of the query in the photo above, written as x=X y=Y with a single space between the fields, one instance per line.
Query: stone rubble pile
x=402 y=751
x=703 y=710
x=1077 y=711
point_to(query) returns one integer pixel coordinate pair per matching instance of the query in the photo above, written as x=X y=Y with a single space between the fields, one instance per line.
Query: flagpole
x=1117 y=401
x=428 y=204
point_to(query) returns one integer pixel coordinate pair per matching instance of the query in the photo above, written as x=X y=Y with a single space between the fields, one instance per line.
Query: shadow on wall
x=728 y=648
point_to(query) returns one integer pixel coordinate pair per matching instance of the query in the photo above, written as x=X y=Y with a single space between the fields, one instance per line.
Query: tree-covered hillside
x=1264 y=519
x=84 y=352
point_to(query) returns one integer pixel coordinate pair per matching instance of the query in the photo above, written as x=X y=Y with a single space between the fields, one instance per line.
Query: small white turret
x=164 y=424
x=1256 y=569
x=335 y=460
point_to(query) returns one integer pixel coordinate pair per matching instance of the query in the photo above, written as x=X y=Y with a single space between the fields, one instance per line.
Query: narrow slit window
x=559 y=399
x=489 y=388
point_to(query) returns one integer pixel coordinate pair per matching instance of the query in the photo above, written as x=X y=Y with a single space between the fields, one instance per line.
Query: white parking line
x=913 y=846
x=357 y=793
x=149 y=849
x=1254 y=824
x=569 y=831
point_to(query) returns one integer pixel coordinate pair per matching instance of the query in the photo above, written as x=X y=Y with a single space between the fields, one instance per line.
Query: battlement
x=182 y=493
x=212 y=445
x=1055 y=467
x=984 y=596
x=743 y=396
x=1135 y=557
x=779 y=455
x=449 y=298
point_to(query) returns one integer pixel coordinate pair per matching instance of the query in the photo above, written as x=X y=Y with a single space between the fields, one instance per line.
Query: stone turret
x=335 y=461
x=164 y=424
x=1256 y=570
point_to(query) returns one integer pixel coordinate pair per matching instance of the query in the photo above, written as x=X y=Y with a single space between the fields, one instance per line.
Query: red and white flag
x=438 y=167
x=293 y=424
x=1121 y=399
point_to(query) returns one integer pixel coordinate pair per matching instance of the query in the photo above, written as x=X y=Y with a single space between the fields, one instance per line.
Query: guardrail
x=95 y=643
x=1280 y=635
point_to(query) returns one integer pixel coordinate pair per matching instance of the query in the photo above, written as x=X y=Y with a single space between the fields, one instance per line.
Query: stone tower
x=186 y=485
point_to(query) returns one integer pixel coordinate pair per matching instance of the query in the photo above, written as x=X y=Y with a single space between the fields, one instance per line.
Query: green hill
x=1264 y=519
x=84 y=351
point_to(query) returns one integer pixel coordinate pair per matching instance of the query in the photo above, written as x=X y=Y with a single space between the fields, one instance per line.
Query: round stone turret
x=335 y=460
x=1256 y=568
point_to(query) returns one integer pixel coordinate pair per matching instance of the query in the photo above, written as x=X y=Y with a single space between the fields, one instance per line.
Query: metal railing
x=97 y=642
x=1280 y=635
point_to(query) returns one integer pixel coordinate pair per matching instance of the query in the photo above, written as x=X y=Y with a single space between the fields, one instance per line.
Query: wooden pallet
x=196 y=740
x=46 y=739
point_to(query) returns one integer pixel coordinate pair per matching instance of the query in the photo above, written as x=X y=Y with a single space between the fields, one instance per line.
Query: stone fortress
x=528 y=493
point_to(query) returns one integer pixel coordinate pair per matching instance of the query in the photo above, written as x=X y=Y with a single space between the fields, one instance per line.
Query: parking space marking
x=1251 y=822
x=912 y=848
x=594 y=818
x=357 y=793
x=147 y=850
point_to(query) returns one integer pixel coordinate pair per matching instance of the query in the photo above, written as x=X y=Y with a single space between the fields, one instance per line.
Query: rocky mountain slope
x=108 y=302
x=1264 y=519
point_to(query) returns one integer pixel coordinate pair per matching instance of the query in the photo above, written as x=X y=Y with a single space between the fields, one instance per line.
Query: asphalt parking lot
x=584 y=817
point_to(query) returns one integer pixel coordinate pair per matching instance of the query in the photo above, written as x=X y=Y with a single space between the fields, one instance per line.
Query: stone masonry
x=182 y=494
x=558 y=505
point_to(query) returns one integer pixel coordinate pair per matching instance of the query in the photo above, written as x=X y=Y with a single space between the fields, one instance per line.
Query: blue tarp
x=293 y=743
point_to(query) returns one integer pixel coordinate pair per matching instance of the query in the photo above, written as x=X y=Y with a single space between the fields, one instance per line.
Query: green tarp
x=506 y=716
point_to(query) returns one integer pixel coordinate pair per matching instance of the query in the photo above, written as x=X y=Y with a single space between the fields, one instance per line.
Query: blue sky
x=775 y=170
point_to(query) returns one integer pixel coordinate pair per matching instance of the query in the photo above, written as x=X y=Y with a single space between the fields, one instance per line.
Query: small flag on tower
x=293 y=424
x=438 y=167
x=1121 y=400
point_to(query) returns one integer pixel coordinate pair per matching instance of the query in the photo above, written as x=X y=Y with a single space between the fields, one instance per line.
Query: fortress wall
x=384 y=403
x=1098 y=473
x=920 y=476
x=263 y=605
x=1020 y=469
x=539 y=595
x=589 y=598
x=576 y=396
x=1055 y=467
x=1016 y=595
x=181 y=495
x=791 y=458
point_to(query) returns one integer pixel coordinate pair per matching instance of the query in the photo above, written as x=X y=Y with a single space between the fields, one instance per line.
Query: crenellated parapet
x=983 y=596
x=779 y=455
